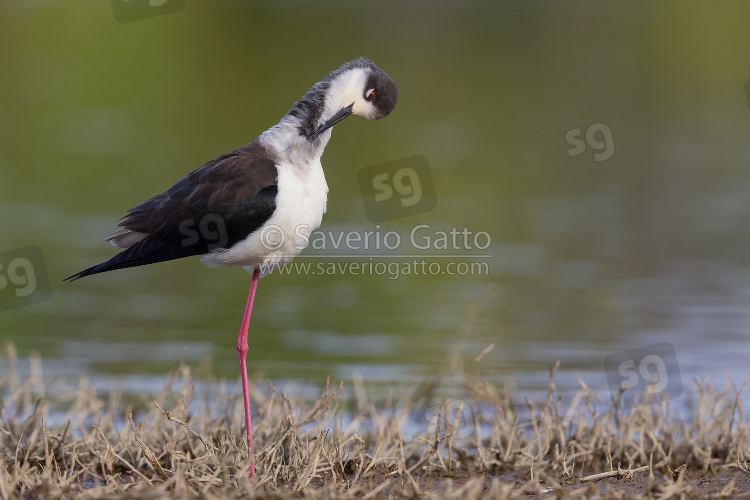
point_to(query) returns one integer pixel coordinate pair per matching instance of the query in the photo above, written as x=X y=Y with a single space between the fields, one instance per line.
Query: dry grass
x=180 y=447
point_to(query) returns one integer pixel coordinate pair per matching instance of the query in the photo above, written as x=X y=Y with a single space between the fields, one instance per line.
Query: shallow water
x=640 y=238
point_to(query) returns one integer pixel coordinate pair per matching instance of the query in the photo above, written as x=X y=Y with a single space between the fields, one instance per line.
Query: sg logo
x=649 y=372
x=211 y=230
x=127 y=11
x=598 y=137
x=397 y=189
x=23 y=278
x=451 y=413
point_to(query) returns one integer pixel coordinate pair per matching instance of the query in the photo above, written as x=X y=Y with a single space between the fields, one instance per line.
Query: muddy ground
x=63 y=440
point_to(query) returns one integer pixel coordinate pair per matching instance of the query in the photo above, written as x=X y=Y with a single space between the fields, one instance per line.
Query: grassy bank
x=63 y=441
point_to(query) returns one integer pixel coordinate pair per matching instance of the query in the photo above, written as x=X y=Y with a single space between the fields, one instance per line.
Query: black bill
x=342 y=113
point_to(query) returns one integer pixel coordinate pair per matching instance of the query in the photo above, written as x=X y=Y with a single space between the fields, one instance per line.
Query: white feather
x=300 y=205
x=125 y=238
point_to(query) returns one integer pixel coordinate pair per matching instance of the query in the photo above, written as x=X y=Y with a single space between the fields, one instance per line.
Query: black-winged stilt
x=276 y=182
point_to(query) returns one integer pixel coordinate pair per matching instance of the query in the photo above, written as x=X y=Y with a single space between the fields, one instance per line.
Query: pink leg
x=242 y=349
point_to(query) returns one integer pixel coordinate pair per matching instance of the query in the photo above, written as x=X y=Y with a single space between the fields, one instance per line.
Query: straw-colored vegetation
x=63 y=442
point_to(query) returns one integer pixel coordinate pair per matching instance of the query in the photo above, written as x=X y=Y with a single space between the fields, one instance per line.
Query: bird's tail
x=147 y=251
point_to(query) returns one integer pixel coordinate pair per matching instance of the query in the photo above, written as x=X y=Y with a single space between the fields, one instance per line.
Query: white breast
x=300 y=205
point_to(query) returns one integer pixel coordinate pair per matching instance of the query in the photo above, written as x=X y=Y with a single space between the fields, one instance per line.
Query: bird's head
x=356 y=88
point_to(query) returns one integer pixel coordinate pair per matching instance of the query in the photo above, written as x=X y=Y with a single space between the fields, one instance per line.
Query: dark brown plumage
x=235 y=192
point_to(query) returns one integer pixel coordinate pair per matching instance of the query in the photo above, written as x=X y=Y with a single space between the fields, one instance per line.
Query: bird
x=256 y=206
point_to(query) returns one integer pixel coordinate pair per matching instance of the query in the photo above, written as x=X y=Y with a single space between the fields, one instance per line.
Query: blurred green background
x=588 y=257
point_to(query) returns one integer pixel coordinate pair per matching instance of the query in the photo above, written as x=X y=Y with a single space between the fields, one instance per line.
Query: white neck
x=286 y=143
x=288 y=139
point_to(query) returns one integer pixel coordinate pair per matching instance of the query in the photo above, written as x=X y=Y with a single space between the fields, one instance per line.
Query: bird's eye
x=370 y=94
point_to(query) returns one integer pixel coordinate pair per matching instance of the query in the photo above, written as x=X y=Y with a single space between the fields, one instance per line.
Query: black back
x=211 y=208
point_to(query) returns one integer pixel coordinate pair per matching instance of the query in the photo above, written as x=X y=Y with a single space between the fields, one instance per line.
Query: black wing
x=215 y=206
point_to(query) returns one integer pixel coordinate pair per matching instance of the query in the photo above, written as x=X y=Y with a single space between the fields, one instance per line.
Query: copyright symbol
x=272 y=237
